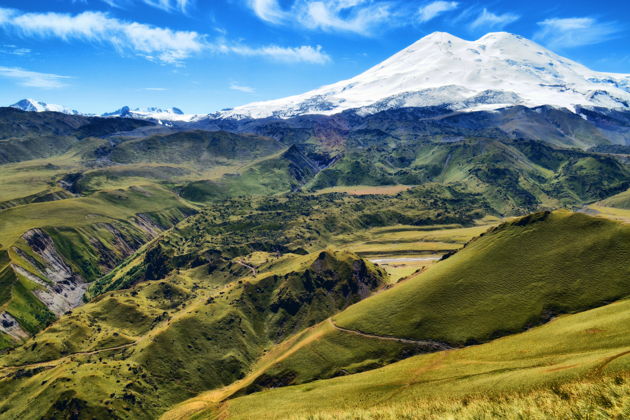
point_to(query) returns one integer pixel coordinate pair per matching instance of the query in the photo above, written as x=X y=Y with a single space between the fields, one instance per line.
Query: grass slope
x=511 y=175
x=621 y=200
x=501 y=282
x=516 y=276
x=173 y=338
x=571 y=367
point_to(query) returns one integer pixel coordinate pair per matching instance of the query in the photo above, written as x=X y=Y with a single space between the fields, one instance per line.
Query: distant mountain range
x=32 y=105
x=150 y=113
x=497 y=71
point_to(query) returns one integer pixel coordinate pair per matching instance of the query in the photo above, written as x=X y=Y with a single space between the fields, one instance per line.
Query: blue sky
x=205 y=55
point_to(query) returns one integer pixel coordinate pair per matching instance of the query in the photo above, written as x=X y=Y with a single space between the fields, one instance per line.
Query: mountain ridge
x=497 y=70
x=148 y=113
x=32 y=105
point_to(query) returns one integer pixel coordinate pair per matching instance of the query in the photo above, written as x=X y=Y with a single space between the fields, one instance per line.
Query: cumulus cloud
x=575 y=32
x=154 y=43
x=436 y=8
x=242 y=88
x=33 y=79
x=489 y=20
x=357 y=16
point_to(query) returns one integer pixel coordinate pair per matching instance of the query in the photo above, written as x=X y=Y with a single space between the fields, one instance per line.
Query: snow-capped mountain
x=153 y=113
x=39 y=106
x=498 y=70
x=161 y=115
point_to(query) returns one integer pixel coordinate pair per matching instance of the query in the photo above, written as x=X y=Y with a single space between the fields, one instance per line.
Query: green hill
x=135 y=352
x=194 y=147
x=500 y=283
x=142 y=265
x=621 y=200
x=573 y=367
x=55 y=249
x=516 y=276
x=512 y=175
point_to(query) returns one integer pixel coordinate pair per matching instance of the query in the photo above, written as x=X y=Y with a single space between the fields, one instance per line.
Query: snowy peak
x=32 y=105
x=500 y=69
x=152 y=113
x=127 y=111
x=121 y=112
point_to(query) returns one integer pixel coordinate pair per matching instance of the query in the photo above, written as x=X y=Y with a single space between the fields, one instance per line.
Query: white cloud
x=162 y=44
x=432 y=10
x=33 y=78
x=166 y=5
x=157 y=44
x=490 y=20
x=14 y=50
x=303 y=54
x=268 y=10
x=242 y=88
x=358 y=16
x=575 y=32
x=155 y=89
x=170 y=5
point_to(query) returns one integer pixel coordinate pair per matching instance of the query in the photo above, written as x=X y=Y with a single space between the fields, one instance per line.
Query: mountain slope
x=516 y=276
x=497 y=70
x=516 y=290
x=146 y=348
x=575 y=366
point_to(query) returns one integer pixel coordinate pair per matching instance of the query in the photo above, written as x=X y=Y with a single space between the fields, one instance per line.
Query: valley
x=396 y=245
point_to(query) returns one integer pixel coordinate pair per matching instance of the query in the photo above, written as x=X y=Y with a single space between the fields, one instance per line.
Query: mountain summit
x=500 y=69
x=148 y=113
x=32 y=105
x=126 y=111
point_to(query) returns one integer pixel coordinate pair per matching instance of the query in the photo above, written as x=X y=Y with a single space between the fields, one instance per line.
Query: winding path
x=56 y=361
x=433 y=345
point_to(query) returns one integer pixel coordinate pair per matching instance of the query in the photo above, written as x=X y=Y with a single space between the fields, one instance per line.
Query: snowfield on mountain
x=497 y=70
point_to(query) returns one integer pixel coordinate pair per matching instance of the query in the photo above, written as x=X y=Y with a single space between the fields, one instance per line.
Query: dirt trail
x=248 y=266
x=608 y=360
x=66 y=357
x=432 y=345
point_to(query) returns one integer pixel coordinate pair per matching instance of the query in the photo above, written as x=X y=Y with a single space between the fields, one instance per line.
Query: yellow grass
x=622 y=215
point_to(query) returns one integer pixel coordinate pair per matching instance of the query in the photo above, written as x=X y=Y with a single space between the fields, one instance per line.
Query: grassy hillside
x=519 y=275
x=621 y=200
x=500 y=283
x=289 y=170
x=196 y=147
x=116 y=301
x=573 y=367
x=136 y=352
x=511 y=175
x=81 y=239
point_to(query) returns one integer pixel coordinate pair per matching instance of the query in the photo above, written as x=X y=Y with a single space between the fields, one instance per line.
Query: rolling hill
x=243 y=321
x=516 y=276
